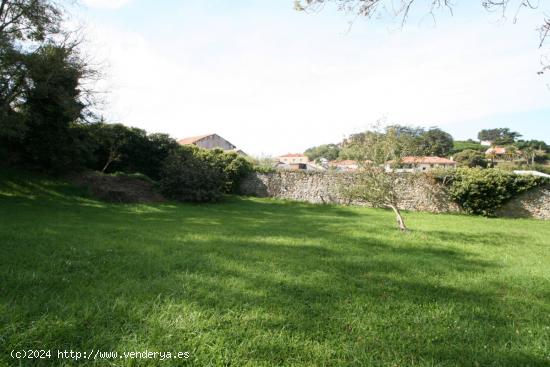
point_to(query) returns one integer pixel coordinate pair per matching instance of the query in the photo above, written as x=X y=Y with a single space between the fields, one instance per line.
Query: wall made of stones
x=419 y=194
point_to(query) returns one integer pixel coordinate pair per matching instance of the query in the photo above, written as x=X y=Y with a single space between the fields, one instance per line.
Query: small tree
x=471 y=158
x=378 y=181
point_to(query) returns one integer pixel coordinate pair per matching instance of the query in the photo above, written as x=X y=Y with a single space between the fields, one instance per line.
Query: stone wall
x=532 y=204
x=420 y=194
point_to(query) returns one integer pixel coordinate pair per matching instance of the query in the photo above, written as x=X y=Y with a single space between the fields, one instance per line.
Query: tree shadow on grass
x=264 y=283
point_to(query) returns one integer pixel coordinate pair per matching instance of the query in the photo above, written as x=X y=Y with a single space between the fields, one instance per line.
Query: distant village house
x=292 y=158
x=345 y=165
x=423 y=164
x=496 y=152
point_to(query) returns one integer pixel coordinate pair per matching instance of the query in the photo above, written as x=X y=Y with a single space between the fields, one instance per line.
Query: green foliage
x=187 y=177
x=435 y=142
x=41 y=92
x=417 y=141
x=541 y=168
x=234 y=166
x=51 y=107
x=500 y=136
x=264 y=169
x=327 y=151
x=139 y=176
x=259 y=282
x=377 y=147
x=482 y=191
x=118 y=148
x=471 y=158
x=198 y=175
x=461 y=145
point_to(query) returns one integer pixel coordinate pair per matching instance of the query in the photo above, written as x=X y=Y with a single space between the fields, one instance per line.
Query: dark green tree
x=41 y=91
x=327 y=151
x=499 y=136
x=51 y=106
x=128 y=149
x=436 y=142
x=23 y=25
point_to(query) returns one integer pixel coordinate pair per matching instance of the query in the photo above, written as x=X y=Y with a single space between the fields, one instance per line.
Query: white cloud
x=273 y=89
x=106 y=4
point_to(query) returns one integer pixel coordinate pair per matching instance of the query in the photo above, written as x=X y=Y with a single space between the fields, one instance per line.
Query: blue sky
x=272 y=80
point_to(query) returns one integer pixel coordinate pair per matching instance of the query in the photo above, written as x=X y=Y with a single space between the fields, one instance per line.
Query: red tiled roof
x=496 y=150
x=292 y=155
x=193 y=139
x=426 y=160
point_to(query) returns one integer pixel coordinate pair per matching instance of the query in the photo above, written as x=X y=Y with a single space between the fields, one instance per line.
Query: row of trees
x=436 y=142
x=473 y=154
x=420 y=141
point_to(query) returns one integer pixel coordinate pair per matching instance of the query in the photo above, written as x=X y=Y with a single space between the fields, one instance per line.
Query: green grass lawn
x=267 y=283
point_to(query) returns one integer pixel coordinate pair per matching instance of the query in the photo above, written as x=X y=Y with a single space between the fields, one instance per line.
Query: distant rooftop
x=426 y=160
x=193 y=139
x=292 y=155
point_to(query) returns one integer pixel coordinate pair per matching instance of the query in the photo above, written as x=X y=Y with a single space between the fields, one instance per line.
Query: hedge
x=482 y=191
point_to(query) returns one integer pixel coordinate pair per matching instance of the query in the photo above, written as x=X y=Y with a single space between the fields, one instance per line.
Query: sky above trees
x=272 y=80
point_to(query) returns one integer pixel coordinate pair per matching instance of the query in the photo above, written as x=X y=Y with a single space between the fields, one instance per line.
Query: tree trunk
x=109 y=161
x=399 y=217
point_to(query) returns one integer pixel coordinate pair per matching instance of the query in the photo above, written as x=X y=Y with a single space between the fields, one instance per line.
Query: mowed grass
x=256 y=282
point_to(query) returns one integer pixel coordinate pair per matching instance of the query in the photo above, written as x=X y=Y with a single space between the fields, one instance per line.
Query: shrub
x=118 y=148
x=482 y=191
x=234 y=166
x=194 y=174
x=471 y=158
x=186 y=176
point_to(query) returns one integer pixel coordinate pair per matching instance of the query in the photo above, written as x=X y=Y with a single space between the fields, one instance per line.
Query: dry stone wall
x=421 y=194
x=532 y=204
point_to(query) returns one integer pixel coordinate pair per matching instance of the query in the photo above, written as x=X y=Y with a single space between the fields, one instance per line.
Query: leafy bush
x=264 y=169
x=194 y=174
x=482 y=191
x=460 y=146
x=185 y=176
x=234 y=166
x=471 y=158
x=118 y=148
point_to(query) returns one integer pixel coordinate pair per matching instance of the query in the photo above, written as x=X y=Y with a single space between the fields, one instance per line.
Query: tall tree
x=499 y=136
x=51 y=105
x=42 y=94
x=436 y=142
x=534 y=151
x=24 y=24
